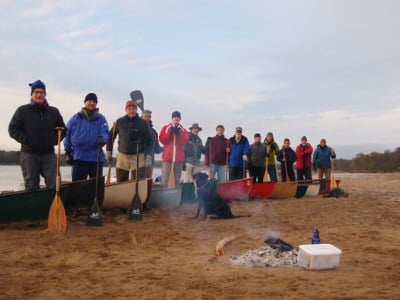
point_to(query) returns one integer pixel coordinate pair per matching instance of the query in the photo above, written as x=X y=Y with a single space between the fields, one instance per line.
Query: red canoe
x=262 y=190
x=235 y=189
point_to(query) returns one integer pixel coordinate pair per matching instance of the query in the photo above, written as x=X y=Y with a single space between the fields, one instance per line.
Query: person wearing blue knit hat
x=33 y=125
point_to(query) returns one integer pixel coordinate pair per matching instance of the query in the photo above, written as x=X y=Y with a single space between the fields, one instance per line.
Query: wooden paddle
x=210 y=171
x=171 y=179
x=284 y=159
x=333 y=181
x=265 y=179
x=57 y=220
x=108 y=181
x=136 y=207
x=227 y=162
x=95 y=217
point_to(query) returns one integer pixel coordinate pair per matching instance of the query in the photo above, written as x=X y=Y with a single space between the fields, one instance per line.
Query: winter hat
x=304 y=138
x=270 y=134
x=38 y=84
x=238 y=128
x=91 y=96
x=130 y=103
x=176 y=114
x=257 y=135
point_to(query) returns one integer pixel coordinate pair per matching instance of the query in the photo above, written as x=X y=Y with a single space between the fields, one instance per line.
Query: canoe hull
x=35 y=205
x=262 y=190
x=235 y=189
x=284 y=190
x=120 y=194
x=164 y=197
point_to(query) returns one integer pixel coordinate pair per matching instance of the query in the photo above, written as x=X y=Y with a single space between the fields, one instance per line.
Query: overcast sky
x=324 y=69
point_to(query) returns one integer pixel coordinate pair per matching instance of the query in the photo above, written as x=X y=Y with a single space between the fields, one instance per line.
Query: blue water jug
x=315 y=239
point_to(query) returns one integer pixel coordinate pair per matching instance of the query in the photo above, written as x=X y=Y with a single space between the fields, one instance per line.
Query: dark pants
x=34 y=165
x=304 y=174
x=290 y=172
x=236 y=173
x=257 y=173
x=272 y=173
x=123 y=175
x=82 y=169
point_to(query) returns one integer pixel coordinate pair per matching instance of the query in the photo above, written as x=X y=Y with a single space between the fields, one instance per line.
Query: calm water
x=11 y=176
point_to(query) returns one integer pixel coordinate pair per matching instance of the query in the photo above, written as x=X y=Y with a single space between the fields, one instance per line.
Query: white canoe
x=120 y=194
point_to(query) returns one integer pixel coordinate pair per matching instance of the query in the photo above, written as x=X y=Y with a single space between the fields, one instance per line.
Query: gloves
x=175 y=129
x=148 y=161
x=244 y=157
x=69 y=157
x=183 y=167
x=100 y=142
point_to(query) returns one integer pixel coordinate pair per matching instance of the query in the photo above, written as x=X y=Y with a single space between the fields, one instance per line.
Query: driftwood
x=219 y=249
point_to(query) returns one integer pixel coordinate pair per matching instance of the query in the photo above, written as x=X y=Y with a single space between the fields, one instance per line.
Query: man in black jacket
x=34 y=125
x=135 y=138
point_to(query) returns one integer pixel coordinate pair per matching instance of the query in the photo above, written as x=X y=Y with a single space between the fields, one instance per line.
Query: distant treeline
x=388 y=161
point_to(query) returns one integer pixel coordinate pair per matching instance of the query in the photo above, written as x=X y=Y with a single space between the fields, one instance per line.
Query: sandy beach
x=169 y=255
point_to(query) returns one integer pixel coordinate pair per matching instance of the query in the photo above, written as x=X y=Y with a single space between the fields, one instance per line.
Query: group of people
x=34 y=125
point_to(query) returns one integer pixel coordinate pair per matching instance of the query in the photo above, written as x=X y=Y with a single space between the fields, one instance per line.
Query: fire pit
x=265 y=257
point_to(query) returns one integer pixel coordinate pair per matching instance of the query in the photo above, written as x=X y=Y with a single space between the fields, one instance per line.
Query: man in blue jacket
x=322 y=159
x=33 y=125
x=239 y=148
x=86 y=131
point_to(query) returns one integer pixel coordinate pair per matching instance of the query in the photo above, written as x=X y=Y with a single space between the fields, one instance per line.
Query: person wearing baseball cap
x=157 y=149
x=135 y=142
x=86 y=131
x=303 y=162
x=33 y=125
x=239 y=149
x=322 y=157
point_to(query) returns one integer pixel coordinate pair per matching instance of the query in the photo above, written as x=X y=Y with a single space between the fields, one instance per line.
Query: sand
x=169 y=255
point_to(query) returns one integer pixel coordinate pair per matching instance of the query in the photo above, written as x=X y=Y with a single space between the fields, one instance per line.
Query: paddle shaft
x=227 y=162
x=135 y=209
x=266 y=164
x=284 y=159
x=108 y=181
x=171 y=179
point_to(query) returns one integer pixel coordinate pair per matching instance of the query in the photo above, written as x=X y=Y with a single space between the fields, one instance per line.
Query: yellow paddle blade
x=333 y=184
x=57 y=220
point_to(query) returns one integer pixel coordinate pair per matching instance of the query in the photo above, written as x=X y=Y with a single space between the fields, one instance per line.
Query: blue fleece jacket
x=82 y=133
x=237 y=150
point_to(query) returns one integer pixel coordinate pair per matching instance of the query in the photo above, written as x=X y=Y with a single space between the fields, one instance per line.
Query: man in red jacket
x=174 y=138
x=303 y=162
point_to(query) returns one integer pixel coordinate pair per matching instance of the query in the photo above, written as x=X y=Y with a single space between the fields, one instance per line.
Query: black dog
x=209 y=200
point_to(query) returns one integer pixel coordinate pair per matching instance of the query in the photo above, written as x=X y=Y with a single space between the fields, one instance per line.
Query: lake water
x=11 y=176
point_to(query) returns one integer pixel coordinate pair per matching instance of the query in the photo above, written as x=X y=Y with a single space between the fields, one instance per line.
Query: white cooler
x=318 y=256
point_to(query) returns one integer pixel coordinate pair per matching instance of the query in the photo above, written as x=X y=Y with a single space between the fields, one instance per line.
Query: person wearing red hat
x=303 y=162
x=287 y=157
x=34 y=125
x=86 y=131
x=174 y=137
x=135 y=139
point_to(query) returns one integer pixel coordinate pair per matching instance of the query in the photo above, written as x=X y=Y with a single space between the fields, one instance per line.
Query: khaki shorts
x=128 y=161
